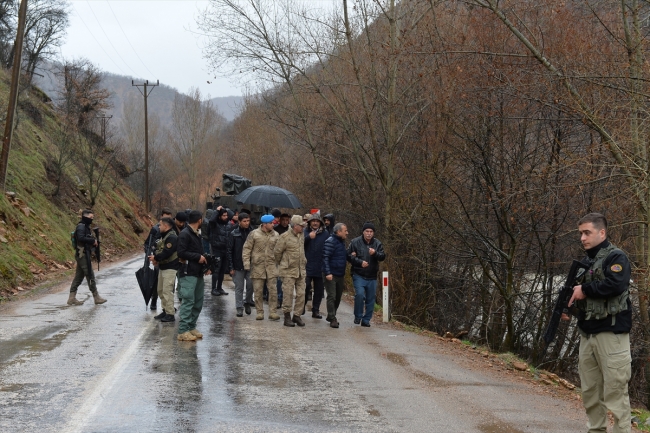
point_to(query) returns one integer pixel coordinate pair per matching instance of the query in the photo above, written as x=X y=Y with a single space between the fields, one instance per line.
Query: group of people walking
x=309 y=256
x=293 y=259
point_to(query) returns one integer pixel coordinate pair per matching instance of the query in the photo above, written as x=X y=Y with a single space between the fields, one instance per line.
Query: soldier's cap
x=267 y=219
x=181 y=216
x=297 y=220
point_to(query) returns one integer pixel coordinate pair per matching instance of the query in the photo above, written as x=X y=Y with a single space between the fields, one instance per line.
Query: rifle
x=562 y=303
x=99 y=259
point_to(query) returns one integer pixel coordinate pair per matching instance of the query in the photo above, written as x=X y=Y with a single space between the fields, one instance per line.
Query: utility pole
x=13 y=94
x=104 y=120
x=146 y=93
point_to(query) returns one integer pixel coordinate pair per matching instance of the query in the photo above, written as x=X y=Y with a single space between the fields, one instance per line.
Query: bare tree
x=193 y=122
x=47 y=21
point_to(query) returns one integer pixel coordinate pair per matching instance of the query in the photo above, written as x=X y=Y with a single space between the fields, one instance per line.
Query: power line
x=109 y=39
x=127 y=38
x=98 y=44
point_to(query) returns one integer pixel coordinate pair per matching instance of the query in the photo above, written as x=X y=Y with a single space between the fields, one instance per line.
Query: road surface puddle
x=397 y=359
x=498 y=428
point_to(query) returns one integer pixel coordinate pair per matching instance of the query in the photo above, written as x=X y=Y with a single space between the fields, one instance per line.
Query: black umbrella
x=269 y=196
x=147 y=280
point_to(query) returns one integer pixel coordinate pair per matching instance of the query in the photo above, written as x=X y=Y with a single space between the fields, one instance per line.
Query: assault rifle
x=99 y=259
x=562 y=303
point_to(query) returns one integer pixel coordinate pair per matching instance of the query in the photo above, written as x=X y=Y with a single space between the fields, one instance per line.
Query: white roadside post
x=384 y=281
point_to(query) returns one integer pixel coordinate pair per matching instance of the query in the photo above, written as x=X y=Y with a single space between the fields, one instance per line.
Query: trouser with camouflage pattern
x=83 y=272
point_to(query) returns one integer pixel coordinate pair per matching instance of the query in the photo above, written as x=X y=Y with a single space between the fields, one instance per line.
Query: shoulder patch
x=169 y=245
x=616 y=268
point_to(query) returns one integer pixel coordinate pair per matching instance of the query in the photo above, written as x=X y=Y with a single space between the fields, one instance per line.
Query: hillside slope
x=35 y=226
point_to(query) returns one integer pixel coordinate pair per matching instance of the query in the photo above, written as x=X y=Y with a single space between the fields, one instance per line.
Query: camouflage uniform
x=290 y=257
x=258 y=258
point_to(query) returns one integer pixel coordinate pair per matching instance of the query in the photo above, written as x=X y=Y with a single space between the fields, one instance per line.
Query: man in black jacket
x=240 y=276
x=365 y=253
x=220 y=227
x=86 y=242
x=602 y=298
x=165 y=259
x=190 y=278
x=180 y=222
x=150 y=246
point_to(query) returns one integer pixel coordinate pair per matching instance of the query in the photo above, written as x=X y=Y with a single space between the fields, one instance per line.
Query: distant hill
x=160 y=100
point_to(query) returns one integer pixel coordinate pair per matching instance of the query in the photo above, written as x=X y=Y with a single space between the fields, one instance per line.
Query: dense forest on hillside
x=473 y=133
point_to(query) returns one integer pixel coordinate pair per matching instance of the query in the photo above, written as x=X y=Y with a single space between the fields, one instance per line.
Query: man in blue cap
x=259 y=259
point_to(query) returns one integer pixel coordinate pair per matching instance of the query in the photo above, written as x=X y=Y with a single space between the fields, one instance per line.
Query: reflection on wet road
x=113 y=368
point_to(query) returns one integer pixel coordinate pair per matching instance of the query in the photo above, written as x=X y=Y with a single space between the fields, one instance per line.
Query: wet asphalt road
x=112 y=368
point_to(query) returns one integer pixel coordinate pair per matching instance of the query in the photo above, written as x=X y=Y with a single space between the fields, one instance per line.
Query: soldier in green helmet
x=604 y=320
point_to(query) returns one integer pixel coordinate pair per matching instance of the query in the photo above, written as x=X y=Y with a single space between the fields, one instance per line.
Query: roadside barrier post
x=385 y=307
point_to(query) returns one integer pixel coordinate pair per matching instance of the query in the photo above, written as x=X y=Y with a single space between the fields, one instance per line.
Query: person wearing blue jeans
x=365 y=294
x=364 y=253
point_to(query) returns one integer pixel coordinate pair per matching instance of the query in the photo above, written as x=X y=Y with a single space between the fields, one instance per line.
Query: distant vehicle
x=231 y=185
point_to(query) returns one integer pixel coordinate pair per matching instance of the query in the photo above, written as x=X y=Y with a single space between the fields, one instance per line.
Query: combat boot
x=287 y=320
x=98 y=299
x=186 y=336
x=297 y=320
x=196 y=333
x=72 y=299
x=260 y=315
x=273 y=316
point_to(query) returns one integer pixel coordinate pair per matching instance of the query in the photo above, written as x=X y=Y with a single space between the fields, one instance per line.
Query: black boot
x=288 y=321
x=297 y=320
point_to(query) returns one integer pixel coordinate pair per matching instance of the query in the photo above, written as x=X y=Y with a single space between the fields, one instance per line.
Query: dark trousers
x=315 y=283
x=334 y=290
x=153 y=303
x=217 y=277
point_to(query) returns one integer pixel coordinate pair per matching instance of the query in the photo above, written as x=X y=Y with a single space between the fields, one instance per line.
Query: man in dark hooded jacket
x=240 y=276
x=220 y=227
x=315 y=237
x=329 y=222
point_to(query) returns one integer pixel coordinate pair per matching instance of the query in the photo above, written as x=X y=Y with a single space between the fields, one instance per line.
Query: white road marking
x=94 y=400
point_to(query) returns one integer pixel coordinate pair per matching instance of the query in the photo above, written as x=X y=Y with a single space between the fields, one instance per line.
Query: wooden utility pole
x=104 y=120
x=146 y=93
x=13 y=94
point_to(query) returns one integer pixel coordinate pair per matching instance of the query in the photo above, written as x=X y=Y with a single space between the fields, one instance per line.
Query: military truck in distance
x=231 y=185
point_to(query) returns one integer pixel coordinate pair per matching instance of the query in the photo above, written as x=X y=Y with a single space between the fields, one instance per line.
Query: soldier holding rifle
x=85 y=242
x=604 y=320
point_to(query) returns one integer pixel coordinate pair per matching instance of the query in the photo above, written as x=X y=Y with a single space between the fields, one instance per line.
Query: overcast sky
x=144 y=38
